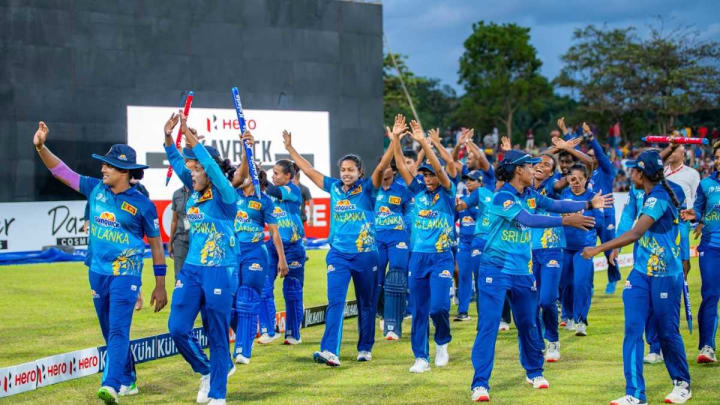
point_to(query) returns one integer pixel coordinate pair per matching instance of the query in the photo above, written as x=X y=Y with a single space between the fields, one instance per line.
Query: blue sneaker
x=610 y=288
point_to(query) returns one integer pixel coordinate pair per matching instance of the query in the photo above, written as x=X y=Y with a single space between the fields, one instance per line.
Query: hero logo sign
x=227 y=124
x=67 y=366
x=17 y=379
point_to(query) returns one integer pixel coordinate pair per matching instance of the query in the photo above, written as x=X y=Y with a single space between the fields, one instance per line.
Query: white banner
x=31 y=225
x=67 y=366
x=219 y=126
x=17 y=379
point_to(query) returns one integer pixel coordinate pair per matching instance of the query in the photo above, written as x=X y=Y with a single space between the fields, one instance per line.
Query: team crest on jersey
x=207 y=195
x=294 y=264
x=278 y=212
x=531 y=203
x=650 y=201
x=401 y=245
x=467 y=220
x=356 y=190
x=553 y=263
x=256 y=267
x=475 y=252
x=435 y=198
x=254 y=205
x=445 y=274
x=395 y=200
x=125 y=206
x=100 y=197
x=384 y=211
x=107 y=219
x=507 y=204
x=194 y=214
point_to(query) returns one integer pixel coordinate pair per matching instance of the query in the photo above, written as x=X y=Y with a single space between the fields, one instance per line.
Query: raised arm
x=483 y=163
x=56 y=166
x=567 y=206
x=419 y=136
x=602 y=157
x=400 y=161
x=176 y=160
x=571 y=148
x=303 y=164
x=398 y=127
x=444 y=154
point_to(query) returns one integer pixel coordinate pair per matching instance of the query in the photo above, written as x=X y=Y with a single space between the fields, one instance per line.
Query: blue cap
x=121 y=156
x=473 y=175
x=517 y=158
x=426 y=167
x=648 y=162
x=189 y=154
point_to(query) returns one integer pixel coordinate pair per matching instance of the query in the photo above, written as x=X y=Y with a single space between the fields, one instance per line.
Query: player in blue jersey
x=431 y=263
x=393 y=239
x=707 y=210
x=120 y=216
x=468 y=215
x=287 y=198
x=208 y=280
x=253 y=213
x=655 y=283
x=506 y=266
x=352 y=254
x=578 y=272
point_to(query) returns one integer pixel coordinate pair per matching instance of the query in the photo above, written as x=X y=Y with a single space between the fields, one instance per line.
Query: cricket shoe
x=364 y=356
x=108 y=395
x=231 y=371
x=461 y=317
x=204 y=390
x=653 y=358
x=441 y=355
x=680 y=393
x=265 y=339
x=392 y=336
x=503 y=326
x=552 y=353
x=289 y=340
x=627 y=400
x=570 y=325
x=240 y=359
x=580 y=329
x=326 y=357
x=610 y=288
x=214 y=401
x=538 y=382
x=128 y=390
x=420 y=366
x=480 y=394
x=707 y=355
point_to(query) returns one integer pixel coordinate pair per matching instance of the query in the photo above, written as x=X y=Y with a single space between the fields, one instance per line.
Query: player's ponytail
x=505 y=172
x=659 y=177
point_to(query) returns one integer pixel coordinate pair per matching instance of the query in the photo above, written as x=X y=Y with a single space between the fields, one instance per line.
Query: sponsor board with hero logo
x=17 y=379
x=67 y=366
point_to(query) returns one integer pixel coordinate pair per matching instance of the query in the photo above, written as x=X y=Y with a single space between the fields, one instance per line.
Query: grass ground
x=46 y=309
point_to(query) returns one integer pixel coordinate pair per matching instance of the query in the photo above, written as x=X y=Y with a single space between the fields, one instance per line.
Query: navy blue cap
x=121 y=156
x=517 y=158
x=649 y=162
x=189 y=154
x=427 y=168
x=473 y=175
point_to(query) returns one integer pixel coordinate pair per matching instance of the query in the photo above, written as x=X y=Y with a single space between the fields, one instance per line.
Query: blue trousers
x=608 y=233
x=547 y=268
x=710 y=290
x=579 y=272
x=661 y=295
x=341 y=267
x=252 y=276
x=430 y=279
x=292 y=290
x=467 y=272
x=493 y=286
x=211 y=290
x=114 y=299
x=393 y=254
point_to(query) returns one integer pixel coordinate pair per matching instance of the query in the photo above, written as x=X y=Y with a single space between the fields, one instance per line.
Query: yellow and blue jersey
x=577 y=239
x=352 y=219
x=707 y=207
x=657 y=252
x=118 y=223
x=432 y=218
x=480 y=199
x=250 y=219
x=392 y=206
x=210 y=213
x=287 y=212
x=630 y=211
x=553 y=237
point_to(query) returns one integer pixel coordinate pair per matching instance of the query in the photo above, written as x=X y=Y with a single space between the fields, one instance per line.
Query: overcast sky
x=432 y=32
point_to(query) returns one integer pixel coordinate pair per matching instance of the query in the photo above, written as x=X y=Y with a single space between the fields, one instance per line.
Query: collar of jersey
x=350 y=190
x=109 y=190
x=509 y=188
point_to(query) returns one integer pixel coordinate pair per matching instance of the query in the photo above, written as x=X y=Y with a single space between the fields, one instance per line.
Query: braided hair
x=659 y=177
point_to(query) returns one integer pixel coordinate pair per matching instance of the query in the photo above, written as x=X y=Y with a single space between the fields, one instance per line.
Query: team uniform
x=208 y=280
x=252 y=214
x=431 y=264
x=689 y=180
x=287 y=212
x=707 y=208
x=601 y=179
x=116 y=249
x=352 y=254
x=393 y=243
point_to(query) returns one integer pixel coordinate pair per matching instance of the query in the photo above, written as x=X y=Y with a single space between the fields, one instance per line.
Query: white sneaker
x=108 y=395
x=538 y=382
x=504 y=326
x=441 y=355
x=680 y=393
x=570 y=325
x=128 y=390
x=214 y=401
x=707 y=355
x=627 y=400
x=232 y=371
x=266 y=339
x=289 y=340
x=653 y=358
x=480 y=394
x=420 y=366
x=240 y=359
x=202 y=395
x=392 y=336
x=364 y=356
x=580 y=329
x=552 y=353
x=326 y=357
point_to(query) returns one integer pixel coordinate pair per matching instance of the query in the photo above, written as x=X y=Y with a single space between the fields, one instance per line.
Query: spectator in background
x=614 y=135
x=714 y=135
x=529 y=140
x=179 y=229
x=307 y=202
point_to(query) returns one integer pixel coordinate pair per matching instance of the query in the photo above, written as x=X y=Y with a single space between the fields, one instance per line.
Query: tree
x=500 y=73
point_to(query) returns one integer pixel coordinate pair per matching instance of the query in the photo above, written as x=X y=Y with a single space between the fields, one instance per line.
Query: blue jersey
x=391 y=206
x=707 y=208
x=467 y=220
x=602 y=178
x=250 y=219
x=548 y=238
x=481 y=199
x=433 y=218
x=211 y=214
x=658 y=251
x=508 y=244
x=489 y=181
x=352 y=223
x=634 y=204
x=577 y=239
x=287 y=212
x=118 y=223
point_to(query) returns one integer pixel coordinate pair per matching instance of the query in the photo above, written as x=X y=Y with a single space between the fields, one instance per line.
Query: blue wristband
x=159 y=270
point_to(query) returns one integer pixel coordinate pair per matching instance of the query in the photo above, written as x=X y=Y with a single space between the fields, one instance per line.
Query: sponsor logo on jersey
x=663 y=295
x=294 y=264
x=125 y=206
x=384 y=211
x=344 y=205
x=650 y=203
x=178 y=284
x=217 y=291
x=256 y=267
x=507 y=204
x=330 y=268
x=468 y=220
x=628 y=285
x=475 y=252
x=278 y=212
x=100 y=197
x=427 y=213
x=94 y=294
x=553 y=263
x=445 y=274
x=255 y=205
x=241 y=216
x=194 y=214
x=611 y=227
x=531 y=203
x=107 y=219
x=401 y=245
x=395 y=200
x=488 y=280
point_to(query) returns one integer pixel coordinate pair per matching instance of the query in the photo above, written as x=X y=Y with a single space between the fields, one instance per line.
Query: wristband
x=159 y=270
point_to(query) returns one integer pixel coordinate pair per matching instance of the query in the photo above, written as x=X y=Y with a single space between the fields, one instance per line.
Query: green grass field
x=47 y=309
